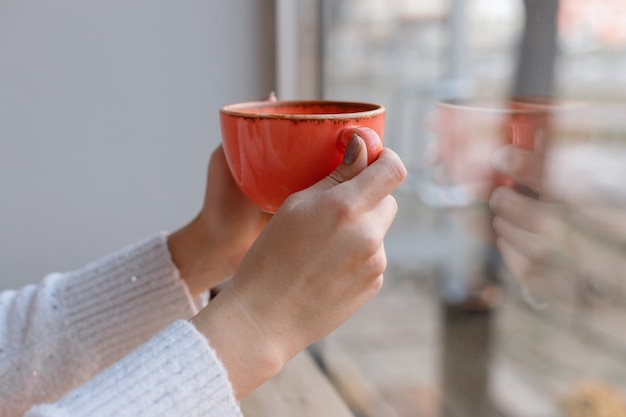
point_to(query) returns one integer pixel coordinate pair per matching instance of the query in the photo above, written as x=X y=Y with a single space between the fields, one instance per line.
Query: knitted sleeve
x=175 y=374
x=56 y=335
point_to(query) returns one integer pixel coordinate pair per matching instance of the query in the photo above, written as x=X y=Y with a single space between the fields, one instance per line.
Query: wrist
x=248 y=355
x=197 y=261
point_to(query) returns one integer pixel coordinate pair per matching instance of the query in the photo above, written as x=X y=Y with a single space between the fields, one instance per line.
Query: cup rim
x=370 y=109
x=495 y=105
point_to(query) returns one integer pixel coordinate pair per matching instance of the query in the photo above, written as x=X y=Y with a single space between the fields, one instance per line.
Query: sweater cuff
x=175 y=373
x=119 y=302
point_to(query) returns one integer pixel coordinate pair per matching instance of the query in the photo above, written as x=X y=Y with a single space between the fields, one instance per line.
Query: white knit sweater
x=109 y=339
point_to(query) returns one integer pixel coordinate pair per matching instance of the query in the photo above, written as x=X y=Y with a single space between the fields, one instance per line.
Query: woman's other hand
x=208 y=250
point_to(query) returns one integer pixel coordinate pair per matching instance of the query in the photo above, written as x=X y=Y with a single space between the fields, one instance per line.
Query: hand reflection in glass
x=575 y=232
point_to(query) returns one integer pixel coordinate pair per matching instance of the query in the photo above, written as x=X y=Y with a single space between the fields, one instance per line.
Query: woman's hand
x=208 y=250
x=317 y=262
x=576 y=232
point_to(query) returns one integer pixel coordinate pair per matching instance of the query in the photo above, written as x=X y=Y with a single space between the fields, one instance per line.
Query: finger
x=218 y=159
x=375 y=182
x=372 y=141
x=526 y=270
x=363 y=147
x=218 y=169
x=381 y=217
x=354 y=161
x=536 y=247
x=386 y=210
x=538 y=284
x=219 y=173
x=519 y=265
x=523 y=166
x=518 y=209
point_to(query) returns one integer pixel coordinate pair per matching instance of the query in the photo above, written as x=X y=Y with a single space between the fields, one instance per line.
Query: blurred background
x=108 y=115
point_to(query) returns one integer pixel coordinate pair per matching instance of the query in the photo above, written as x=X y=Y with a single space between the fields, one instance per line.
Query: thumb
x=354 y=161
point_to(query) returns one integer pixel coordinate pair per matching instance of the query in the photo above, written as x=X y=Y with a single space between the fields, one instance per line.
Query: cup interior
x=321 y=109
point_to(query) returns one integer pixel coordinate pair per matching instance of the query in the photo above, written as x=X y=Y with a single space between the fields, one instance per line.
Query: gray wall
x=108 y=115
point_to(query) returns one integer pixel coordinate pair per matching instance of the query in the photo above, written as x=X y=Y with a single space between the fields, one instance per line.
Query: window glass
x=465 y=326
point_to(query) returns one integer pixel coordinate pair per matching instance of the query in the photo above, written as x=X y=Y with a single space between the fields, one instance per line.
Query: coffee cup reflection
x=468 y=132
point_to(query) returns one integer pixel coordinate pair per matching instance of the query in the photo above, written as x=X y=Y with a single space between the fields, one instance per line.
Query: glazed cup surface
x=276 y=148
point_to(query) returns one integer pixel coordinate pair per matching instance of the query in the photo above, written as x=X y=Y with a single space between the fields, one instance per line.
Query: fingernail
x=352 y=150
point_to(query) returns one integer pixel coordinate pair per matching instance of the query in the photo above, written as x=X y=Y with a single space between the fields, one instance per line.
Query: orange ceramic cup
x=276 y=148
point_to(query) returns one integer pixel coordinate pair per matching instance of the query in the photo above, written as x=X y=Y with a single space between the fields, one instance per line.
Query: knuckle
x=396 y=170
x=393 y=203
x=377 y=263
x=542 y=253
x=292 y=201
x=376 y=284
x=336 y=177
x=371 y=245
x=335 y=202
